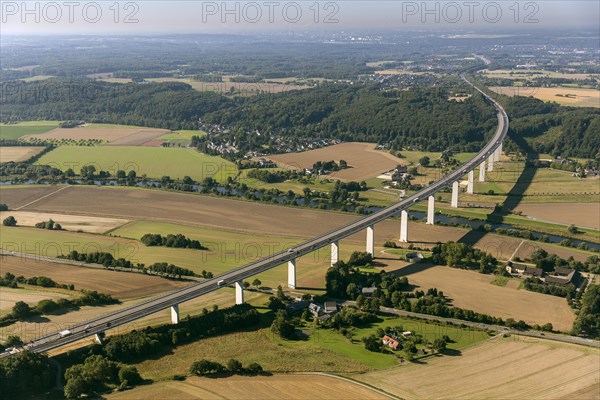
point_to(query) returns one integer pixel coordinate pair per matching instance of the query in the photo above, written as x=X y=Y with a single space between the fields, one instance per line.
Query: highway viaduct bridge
x=483 y=161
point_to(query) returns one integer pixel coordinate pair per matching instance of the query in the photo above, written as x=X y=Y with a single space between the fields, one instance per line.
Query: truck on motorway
x=221 y=282
x=64 y=333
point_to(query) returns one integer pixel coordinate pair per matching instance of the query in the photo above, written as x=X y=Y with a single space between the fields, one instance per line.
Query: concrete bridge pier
x=335 y=252
x=371 y=240
x=292 y=274
x=99 y=338
x=404 y=226
x=454 y=201
x=470 y=179
x=431 y=210
x=482 y=172
x=491 y=163
x=498 y=153
x=239 y=293
x=175 y=314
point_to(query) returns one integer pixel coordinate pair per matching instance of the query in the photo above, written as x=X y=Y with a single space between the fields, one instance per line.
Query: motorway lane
x=133 y=313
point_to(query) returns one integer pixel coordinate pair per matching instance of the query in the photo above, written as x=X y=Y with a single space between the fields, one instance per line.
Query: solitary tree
x=9 y=221
x=424 y=161
x=256 y=282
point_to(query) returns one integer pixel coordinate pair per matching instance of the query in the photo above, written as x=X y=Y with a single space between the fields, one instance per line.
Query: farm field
x=22 y=195
x=68 y=222
x=35 y=327
x=252 y=217
x=122 y=135
x=121 y=285
x=292 y=387
x=18 y=153
x=181 y=137
x=511 y=368
x=226 y=250
x=464 y=288
x=30 y=295
x=155 y=162
x=566 y=96
x=534 y=73
x=15 y=131
x=363 y=160
x=242 y=88
x=585 y=215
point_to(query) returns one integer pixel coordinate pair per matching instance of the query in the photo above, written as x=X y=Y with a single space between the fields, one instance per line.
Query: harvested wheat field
x=9 y=296
x=511 y=368
x=465 y=289
x=275 y=387
x=18 y=153
x=585 y=215
x=122 y=285
x=562 y=95
x=117 y=135
x=363 y=160
x=68 y=222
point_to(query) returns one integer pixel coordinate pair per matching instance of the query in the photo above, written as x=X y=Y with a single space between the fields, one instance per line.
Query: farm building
x=562 y=276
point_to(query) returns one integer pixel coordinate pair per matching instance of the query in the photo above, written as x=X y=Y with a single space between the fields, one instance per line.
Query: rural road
x=127 y=315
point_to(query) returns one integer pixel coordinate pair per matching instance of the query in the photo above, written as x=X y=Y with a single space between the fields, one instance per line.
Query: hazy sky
x=47 y=17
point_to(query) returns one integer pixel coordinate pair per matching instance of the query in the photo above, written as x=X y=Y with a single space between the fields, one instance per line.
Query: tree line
x=107 y=260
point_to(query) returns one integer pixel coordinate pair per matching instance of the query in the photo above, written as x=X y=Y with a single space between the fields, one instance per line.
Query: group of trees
x=151 y=340
x=548 y=262
x=22 y=310
x=25 y=373
x=97 y=374
x=170 y=240
x=325 y=167
x=50 y=225
x=108 y=261
x=207 y=368
x=536 y=285
x=12 y=281
x=588 y=319
x=460 y=255
x=344 y=279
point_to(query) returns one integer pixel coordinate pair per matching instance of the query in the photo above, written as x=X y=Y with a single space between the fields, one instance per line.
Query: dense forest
x=162 y=105
x=553 y=129
x=421 y=118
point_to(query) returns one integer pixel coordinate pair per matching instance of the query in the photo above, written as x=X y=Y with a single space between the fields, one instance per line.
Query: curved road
x=133 y=313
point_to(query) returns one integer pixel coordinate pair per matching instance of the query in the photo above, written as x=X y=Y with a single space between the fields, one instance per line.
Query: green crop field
x=15 y=131
x=182 y=137
x=154 y=162
x=226 y=249
x=321 y=350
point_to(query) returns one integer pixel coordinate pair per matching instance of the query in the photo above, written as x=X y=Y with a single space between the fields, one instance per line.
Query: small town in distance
x=338 y=200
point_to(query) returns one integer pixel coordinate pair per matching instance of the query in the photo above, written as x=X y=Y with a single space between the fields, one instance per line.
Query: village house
x=390 y=342
x=368 y=291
